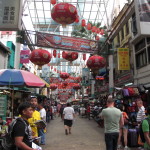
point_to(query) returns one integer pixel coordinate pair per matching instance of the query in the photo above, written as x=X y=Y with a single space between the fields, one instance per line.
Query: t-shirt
x=43 y=114
x=145 y=128
x=111 y=117
x=20 y=129
x=68 y=112
x=141 y=114
x=35 y=117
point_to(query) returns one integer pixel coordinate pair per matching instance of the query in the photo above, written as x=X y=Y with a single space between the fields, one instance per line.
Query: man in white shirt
x=68 y=116
x=141 y=111
x=43 y=117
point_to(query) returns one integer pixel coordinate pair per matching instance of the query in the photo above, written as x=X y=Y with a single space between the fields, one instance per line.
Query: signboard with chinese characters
x=142 y=8
x=10 y=15
x=66 y=43
x=123 y=59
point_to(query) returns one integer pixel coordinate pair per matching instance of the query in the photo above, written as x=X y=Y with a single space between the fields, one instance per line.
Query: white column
x=92 y=87
x=111 y=75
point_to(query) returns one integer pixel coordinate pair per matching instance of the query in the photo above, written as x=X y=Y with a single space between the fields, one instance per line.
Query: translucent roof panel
x=95 y=11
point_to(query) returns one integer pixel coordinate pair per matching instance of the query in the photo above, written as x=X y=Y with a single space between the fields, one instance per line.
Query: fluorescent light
x=128 y=84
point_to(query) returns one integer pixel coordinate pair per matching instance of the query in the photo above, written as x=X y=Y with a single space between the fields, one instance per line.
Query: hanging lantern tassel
x=53 y=2
x=84 y=57
x=83 y=23
x=77 y=19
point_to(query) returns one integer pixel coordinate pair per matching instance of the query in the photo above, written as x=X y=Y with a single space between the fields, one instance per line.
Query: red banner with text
x=66 y=43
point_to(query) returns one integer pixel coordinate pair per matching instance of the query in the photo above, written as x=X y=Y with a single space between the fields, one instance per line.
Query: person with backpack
x=21 y=132
x=144 y=130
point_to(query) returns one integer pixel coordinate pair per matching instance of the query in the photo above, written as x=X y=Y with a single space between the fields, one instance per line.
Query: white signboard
x=10 y=15
x=142 y=8
x=45 y=71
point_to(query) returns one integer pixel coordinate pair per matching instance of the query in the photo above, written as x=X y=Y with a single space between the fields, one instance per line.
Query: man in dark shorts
x=22 y=133
x=68 y=116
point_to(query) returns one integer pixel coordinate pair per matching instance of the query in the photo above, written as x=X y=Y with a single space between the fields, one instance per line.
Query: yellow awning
x=47 y=85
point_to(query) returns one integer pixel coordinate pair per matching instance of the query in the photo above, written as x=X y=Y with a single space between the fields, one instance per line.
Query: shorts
x=68 y=122
x=125 y=127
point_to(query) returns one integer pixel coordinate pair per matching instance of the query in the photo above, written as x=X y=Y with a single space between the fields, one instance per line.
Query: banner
x=10 y=15
x=123 y=59
x=85 y=76
x=45 y=71
x=24 y=56
x=66 y=43
x=142 y=8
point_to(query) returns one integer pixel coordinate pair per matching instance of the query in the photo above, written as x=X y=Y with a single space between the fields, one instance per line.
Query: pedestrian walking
x=68 y=116
x=41 y=130
x=113 y=121
x=21 y=133
x=124 y=129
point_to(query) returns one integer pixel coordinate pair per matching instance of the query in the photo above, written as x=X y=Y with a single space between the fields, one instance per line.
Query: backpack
x=141 y=131
x=7 y=141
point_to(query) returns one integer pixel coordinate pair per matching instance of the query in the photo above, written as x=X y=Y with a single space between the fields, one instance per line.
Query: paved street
x=85 y=136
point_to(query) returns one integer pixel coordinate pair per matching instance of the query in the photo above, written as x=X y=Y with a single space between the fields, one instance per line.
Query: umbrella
x=19 y=78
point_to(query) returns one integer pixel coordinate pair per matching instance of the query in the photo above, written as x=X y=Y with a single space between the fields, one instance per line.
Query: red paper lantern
x=96 y=62
x=84 y=57
x=76 y=86
x=89 y=26
x=53 y=86
x=97 y=38
x=83 y=23
x=53 y=2
x=40 y=57
x=64 y=13
x=70 y=56
x=54 y=53
x=98 y=30
x=102 y=31
x=94 y=29
x=64 y=75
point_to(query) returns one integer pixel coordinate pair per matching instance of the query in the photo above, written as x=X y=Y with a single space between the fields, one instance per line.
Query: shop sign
x=103 y=88
x=123 y=59
x=10 y=15
x=85 y=77
x=24 y=56
x=124 y=79
x=66 y=43
x=142 y=8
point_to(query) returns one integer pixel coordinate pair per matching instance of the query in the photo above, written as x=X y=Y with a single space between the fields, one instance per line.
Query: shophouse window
x=134 y=25
x=148 y=40
x=118 y=39
x=140 y=45
x=127 y=28
x=122 y=34
x=148 y=49
x=141 y=59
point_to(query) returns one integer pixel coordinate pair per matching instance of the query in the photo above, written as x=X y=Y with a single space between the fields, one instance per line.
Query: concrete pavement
x=86 y=135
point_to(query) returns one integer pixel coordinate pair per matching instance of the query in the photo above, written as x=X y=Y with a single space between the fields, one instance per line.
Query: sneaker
x=119 y=146
x=66 y=132
x=126 y=148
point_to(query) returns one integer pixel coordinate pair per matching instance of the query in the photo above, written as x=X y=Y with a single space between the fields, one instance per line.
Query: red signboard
x=66 y=43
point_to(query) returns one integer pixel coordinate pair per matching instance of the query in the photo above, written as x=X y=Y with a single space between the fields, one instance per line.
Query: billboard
x=24 y=56
x=85 y=76
x=66 y=43
x=142 y=8
x=10 y=15
x=123 y=59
